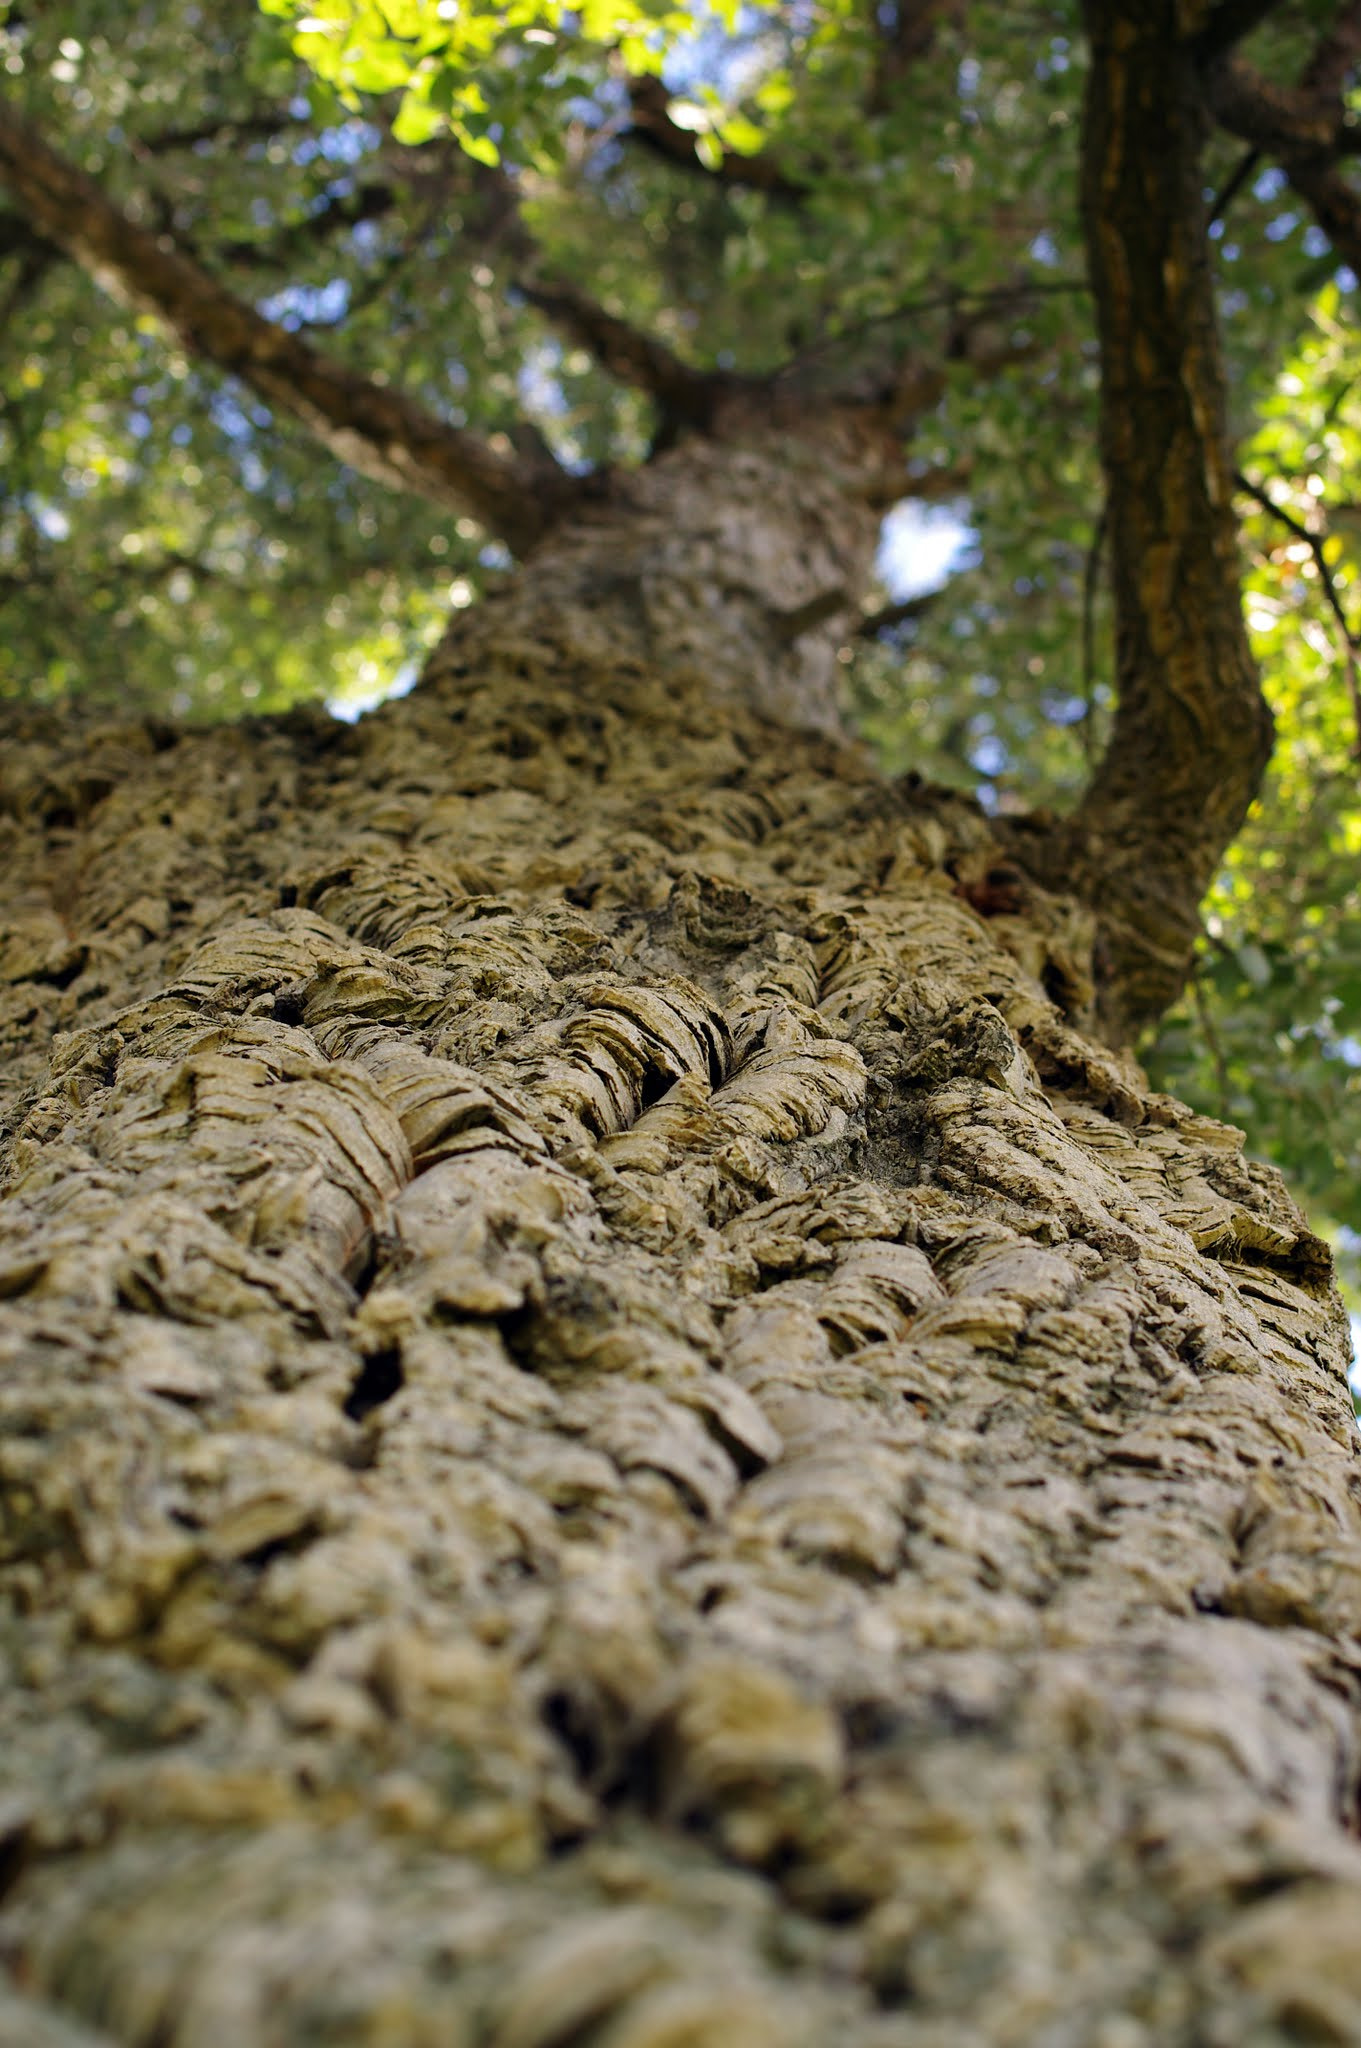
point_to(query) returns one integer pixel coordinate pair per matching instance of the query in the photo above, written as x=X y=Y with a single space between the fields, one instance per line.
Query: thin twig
x=1350 y=642
x=1223 y=200
x=936 y=302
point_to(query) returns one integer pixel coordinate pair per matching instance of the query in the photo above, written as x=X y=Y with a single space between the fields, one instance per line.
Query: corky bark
x=1192 y=733
x=612 y=1429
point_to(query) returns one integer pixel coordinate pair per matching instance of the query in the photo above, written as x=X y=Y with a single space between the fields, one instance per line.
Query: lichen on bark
x=614 y=1428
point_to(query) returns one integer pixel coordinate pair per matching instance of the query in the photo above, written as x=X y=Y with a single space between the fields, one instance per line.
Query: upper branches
x=1305 y=127
x=653 y=126
x=377 y=430
x=687 y=396
x=516 y=492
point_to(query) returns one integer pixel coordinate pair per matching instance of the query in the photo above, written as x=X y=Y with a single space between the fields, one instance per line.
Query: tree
x=624 y=1420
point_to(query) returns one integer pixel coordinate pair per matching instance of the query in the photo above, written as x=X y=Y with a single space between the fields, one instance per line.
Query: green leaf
x=481 y=147
x=417 y=121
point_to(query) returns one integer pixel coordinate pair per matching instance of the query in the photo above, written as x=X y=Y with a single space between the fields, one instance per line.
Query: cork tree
x=623 y=1419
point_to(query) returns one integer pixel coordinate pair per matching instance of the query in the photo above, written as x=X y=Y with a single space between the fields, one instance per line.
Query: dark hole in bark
x=291 y=1545
x=873 y=1723
x=288 y=1006
x=842 y=1908
x=1059 y=989
x=15 y=1847
x=378 y=1379
x=62 y=977
x=891 y=1981
x=656 y=1083
x=565 y=1716
x=288 y=895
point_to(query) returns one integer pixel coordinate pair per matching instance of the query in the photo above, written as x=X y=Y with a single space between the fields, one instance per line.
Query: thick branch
x=686 y=394
x=653 y=127
x=1306 y=127
x=1269 y=114
x=1192 y=733
x=1229 y=23
x=381 y=432
x=906 y=611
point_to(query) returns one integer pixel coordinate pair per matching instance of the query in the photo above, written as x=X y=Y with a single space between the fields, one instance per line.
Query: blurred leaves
x=474 y=70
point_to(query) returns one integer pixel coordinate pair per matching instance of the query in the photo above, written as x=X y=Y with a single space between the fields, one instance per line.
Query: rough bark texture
x=613 y=1431
x=1192 y=732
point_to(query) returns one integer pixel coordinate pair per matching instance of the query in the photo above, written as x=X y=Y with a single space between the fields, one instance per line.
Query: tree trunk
x=614 y=1430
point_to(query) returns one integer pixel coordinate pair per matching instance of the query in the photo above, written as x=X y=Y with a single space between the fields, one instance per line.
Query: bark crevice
x=613 y=1405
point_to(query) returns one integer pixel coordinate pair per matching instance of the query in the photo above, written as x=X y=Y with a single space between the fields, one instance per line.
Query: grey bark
x=613 y=1429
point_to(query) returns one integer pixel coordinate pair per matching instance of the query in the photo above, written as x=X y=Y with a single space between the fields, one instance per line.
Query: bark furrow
x=614 y=1429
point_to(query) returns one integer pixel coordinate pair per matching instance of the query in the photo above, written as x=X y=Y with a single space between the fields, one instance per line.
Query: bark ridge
x=615 y=1430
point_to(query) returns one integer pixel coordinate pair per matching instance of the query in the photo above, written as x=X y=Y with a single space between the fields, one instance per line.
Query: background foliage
x=387 y=177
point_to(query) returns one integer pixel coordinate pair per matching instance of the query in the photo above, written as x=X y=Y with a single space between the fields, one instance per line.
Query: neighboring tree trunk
x=613 y=1430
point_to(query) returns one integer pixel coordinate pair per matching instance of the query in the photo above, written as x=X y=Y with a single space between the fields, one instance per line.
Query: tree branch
x=378 y=431
x=1335 y=205
x=1228 y=24
x=372 y=200
x=1192 y=734
x=686 y=394
x=1305 y=127
x=1237 y=179
x=225 y=128
x=906 y=611
x=1336 y=56
x=653 y=128
x=1268 y=114
x=1349 y=642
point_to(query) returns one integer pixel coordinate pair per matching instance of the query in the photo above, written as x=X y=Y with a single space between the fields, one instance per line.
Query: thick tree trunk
x=612 y=1429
